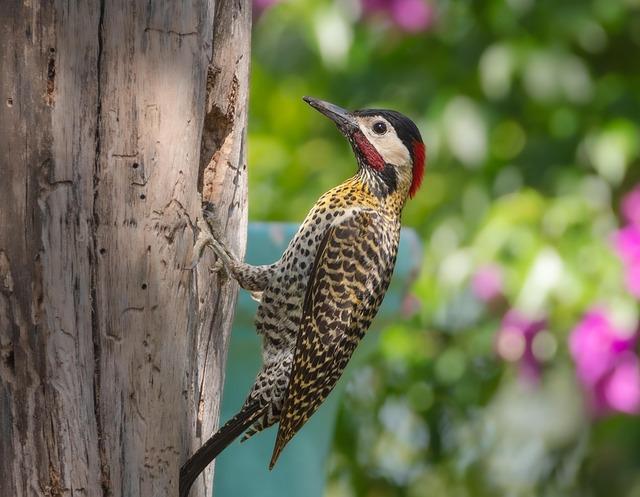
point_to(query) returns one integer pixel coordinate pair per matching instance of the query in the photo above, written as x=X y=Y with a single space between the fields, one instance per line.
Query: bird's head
x=385 y=142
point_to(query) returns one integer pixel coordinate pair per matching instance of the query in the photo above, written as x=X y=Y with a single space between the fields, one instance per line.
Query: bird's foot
x=204 y=238
x=207 y=239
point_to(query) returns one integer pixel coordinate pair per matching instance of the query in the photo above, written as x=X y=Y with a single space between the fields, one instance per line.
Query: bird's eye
x=380 y=128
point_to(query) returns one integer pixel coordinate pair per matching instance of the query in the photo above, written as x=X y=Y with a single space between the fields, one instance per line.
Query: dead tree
x=116 y=118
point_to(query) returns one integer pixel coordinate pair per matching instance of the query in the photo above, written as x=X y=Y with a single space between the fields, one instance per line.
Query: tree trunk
x=114 y=116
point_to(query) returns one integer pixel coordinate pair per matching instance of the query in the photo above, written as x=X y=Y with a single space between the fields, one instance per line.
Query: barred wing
x=348 y=281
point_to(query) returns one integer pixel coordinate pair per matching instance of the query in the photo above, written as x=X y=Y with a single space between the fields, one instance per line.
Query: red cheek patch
x=418 y=167
x=371 y=156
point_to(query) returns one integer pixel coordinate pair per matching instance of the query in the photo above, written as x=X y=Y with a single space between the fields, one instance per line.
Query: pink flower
x=631 y=207
x=375 y=5
x=411 y=16
x=515 y=343
x=606 y=363
x=595 y=344
x=627 y=241
x=632 y=279
x=260 y=6
x=627 y=244
x=621 y=387
x=487 y=283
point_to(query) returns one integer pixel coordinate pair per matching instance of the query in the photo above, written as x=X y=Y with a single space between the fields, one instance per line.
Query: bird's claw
x=206 y=238
x=217 y=266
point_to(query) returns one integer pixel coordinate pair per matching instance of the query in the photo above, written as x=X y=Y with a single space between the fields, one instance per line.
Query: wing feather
x=348 y=280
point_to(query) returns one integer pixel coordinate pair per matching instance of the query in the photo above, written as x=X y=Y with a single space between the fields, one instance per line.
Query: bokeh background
x=515 y=369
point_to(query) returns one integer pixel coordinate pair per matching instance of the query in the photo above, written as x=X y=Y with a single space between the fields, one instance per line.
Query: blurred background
x=515 y=370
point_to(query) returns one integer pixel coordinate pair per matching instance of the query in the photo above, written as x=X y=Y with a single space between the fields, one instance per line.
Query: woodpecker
x=318 y=300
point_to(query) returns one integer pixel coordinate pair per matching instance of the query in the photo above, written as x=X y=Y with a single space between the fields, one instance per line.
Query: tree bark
x=116 y=117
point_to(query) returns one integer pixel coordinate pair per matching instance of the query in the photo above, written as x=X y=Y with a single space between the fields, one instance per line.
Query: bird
x=318 y=300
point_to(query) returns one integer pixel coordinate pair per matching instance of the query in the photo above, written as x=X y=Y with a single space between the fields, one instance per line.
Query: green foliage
x=530 y=113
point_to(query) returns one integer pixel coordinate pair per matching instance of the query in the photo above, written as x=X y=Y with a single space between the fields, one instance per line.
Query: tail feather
x=216 y=444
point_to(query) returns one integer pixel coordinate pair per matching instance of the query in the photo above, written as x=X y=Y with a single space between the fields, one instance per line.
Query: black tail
x=216 y=444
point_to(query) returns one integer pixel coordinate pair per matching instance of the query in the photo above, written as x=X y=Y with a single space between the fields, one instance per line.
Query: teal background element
x=242 y=469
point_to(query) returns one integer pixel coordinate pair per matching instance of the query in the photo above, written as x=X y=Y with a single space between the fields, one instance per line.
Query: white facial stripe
x=388 y=145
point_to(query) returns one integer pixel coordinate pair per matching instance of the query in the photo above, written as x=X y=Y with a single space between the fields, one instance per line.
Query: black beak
x=344 y=119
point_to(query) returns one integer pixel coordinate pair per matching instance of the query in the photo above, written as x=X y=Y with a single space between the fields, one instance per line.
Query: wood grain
x=115 y=117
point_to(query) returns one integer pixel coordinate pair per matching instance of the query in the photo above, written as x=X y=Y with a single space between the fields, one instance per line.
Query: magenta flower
x=627 y=244
x=632 y=279
x=606 y=363
x=411 y=16
x=620 y=389
x=627 y=241
x=514 y=343
x=260 y=6
x=595 y=344
x=487 y=283
x=631 y=207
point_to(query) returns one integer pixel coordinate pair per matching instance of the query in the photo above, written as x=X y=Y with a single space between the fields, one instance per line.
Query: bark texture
x=115 y=116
